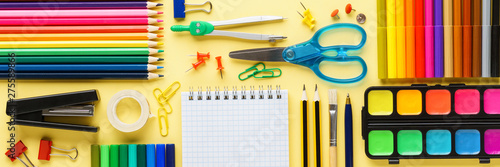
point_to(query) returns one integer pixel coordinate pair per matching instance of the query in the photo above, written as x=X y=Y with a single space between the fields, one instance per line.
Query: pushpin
x=309 y=20
x=348 y=8
x=335 y=13
x=219 y=65
x=195 y=65
x=46 y=147
x=200 y=56
x=16 y=151
x=361 y=18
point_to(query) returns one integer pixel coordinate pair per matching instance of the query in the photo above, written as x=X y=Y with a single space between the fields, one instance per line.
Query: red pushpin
x=219 y=65
x=200 y=56
x=45 y=151
x=16 y=151
x=349 y=8
x=195 y=65
x=335 y=13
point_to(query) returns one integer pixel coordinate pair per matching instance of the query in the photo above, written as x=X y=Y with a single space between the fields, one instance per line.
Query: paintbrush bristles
x=332 y=96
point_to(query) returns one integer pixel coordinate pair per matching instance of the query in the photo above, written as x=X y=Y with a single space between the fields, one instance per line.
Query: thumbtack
x=361 y=18
x=335 y=13
x=309 y=20
x=348 y=8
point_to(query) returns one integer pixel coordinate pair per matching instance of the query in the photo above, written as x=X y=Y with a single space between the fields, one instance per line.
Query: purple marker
x=429 y=38
x=77 y=5
x=438 y=39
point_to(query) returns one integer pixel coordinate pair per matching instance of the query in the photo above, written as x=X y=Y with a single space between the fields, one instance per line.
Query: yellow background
x=178 y=45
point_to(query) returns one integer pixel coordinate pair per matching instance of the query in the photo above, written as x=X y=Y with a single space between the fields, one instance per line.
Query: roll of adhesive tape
x=113 y=117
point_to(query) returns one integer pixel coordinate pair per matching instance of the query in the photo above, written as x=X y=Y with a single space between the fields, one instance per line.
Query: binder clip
x=16 y=151
x=180 y=8
x=32 y=111
x=46 y=147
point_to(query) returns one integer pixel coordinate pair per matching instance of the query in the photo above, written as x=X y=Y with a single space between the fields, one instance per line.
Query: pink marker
x=42 y=14
x=77 y=21
x=429 y=38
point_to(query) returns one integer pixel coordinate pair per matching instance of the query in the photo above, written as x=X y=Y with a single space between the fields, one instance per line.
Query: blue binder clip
x=180 y=8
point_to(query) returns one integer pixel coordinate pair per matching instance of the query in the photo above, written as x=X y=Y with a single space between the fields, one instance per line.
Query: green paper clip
x=254 y=71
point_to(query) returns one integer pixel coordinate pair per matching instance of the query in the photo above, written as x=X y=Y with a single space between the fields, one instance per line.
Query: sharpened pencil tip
x=160 y=36
x=159 y=43
x=161 y=28
x=160 y=75
x=161 y=51
x=160 y=59
x=316 y=89
x=160 y=67
x=159 y=12
x=304 y=87
x=347 y=94
x=159 y=4
x=159 y=21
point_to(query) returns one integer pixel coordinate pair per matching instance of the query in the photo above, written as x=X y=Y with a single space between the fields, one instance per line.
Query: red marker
x=219 y=65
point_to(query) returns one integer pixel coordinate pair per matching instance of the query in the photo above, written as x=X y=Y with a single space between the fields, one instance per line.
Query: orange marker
x=195 y=65
x=467 y=35
x=457 y=38
x=476 y=39
x=219 y=65
x=410 y=38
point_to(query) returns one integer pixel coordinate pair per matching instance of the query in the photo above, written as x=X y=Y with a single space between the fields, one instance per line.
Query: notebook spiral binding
x=228 y=93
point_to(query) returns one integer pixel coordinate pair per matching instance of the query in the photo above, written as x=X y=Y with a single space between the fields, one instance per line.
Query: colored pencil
x=62 y=0
x=467 y=41
x=80 y=51
x=400 y=39
x=457 y=38
x=78 y=37
x=382 y=39
x=83 y=59
x=448 y=37
x=78 y=44
x=142 y=75
x=486 y=39
x=410 y=38
x=83 y=13
x=77 y=5
x=419 y=39
x=80 y=29
x=391 y=39
x=81 y=67
x=429 y=38
x=438 y=39
x=495 y=39
x=78 y=21
x=476 y=38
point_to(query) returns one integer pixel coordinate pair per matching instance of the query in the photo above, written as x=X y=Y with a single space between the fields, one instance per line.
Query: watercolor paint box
x=432 y=122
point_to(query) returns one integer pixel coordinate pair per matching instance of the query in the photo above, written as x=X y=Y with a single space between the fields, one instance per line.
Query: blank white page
x=235 y=132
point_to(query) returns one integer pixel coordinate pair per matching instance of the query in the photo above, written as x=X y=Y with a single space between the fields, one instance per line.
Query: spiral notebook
x=240 y=128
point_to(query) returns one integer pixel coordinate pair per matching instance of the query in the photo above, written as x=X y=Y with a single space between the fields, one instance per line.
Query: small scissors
x=310 y=53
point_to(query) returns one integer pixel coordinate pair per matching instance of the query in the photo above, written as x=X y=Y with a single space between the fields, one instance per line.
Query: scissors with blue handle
x=311 y=53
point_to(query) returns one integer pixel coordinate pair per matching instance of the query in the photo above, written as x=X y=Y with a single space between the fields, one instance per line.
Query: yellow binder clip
x=162 y=97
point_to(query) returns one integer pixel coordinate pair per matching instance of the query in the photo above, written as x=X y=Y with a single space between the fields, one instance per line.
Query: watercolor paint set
x=432 y=122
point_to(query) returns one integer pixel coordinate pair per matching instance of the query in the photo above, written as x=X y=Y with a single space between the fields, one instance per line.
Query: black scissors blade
x=261 y=54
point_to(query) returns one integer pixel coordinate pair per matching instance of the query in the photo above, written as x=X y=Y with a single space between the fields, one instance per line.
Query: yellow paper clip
x=162 y=97
x=309 y=20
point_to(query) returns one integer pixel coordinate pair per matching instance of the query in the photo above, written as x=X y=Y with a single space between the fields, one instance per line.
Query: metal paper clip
x=162 y=97
x=180 y=8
